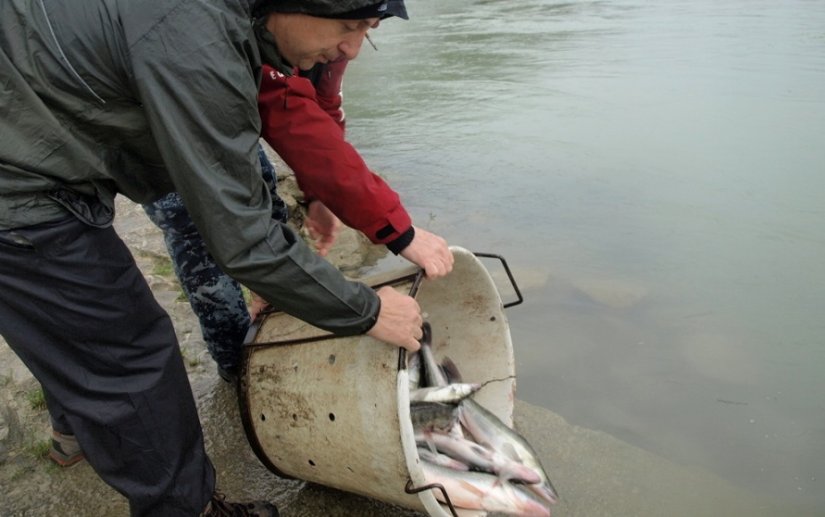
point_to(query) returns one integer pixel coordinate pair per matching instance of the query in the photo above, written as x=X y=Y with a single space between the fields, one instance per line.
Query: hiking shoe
x=219 y=507
x=65 y=451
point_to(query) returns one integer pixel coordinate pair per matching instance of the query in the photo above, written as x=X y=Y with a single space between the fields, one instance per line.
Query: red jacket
x=304 y=124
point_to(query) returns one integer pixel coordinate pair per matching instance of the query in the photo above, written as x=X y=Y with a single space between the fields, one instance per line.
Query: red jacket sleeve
x=327 y=167
x=329 y=88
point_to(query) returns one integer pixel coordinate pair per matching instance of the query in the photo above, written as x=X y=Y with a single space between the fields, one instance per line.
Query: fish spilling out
x=450 y=394
x=442 y=460
x=478 y=457
x=481 y=491
x=481 y=462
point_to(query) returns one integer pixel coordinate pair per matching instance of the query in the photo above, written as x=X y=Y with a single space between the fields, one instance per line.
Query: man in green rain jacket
x=143 y=97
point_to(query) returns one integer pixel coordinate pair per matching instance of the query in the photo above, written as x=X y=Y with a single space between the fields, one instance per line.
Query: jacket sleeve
x=198 y=90
x=329 y=90
x=326 y=166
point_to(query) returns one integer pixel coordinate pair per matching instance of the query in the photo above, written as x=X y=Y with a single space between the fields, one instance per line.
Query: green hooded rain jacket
x=143 y=97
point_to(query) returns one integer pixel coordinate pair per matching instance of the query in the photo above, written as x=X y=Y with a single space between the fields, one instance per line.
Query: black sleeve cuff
x=397 y=246
x=374 y=318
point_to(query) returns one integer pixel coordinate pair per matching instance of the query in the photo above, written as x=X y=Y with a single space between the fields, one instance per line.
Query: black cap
x=382 y=9
x=344 y=9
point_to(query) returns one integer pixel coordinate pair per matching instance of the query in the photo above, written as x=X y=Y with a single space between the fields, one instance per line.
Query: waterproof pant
x=77 y=311
x=215 y=298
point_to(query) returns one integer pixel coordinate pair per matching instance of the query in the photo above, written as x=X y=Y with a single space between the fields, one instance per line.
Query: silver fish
x=442 y=460
x=489 y=430
x=484 y=427
x=433 y=375
x=414 y=370
x=450 y=370
x=479 y=457
x=481 y=491
x=449 y=394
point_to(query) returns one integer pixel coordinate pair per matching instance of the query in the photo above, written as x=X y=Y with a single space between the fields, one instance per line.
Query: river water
x=653 y=171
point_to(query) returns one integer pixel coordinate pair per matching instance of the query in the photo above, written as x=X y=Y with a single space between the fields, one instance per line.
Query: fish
x=482 y=491
x=433 y=375
x=489 y=430
x=486 y=429
x=428 y=416
x=479 y=457
x=442 y=460
x=414 y=370
x=449 y=394
x=450 y=370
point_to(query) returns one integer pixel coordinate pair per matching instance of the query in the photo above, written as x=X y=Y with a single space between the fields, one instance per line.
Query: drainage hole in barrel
x=263 y=417
x=295 y=417
x=332 y=417
x=331 y=358
x=312 y=463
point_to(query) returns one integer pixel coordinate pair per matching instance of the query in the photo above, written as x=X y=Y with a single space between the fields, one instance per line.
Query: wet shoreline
x=594 y=473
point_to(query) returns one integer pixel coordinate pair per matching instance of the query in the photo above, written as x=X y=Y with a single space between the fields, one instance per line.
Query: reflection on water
x=654 y=169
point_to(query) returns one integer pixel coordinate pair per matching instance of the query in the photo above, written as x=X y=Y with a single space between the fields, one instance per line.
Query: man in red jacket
x=303 y=121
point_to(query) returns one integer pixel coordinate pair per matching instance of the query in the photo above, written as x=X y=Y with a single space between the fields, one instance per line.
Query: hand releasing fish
x=480 y=491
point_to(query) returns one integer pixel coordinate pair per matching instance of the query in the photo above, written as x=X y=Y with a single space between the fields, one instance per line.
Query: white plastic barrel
x=335 y=410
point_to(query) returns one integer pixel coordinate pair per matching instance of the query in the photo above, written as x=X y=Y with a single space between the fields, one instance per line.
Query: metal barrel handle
x=402 y=352
x=418 y=277
x=509 y=275
x=412 y=489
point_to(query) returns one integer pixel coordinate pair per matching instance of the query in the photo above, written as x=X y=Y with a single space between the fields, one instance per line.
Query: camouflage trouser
x=215 y=298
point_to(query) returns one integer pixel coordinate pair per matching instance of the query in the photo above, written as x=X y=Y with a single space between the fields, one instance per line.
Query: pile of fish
x=481 y=463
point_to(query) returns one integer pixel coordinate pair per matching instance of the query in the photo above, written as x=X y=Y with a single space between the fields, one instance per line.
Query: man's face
x=306 y=40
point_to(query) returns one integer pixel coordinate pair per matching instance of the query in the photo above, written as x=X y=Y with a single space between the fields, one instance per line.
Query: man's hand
x=323 y=226
x=256 y=305
x=429 y=252
x=399 y=320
